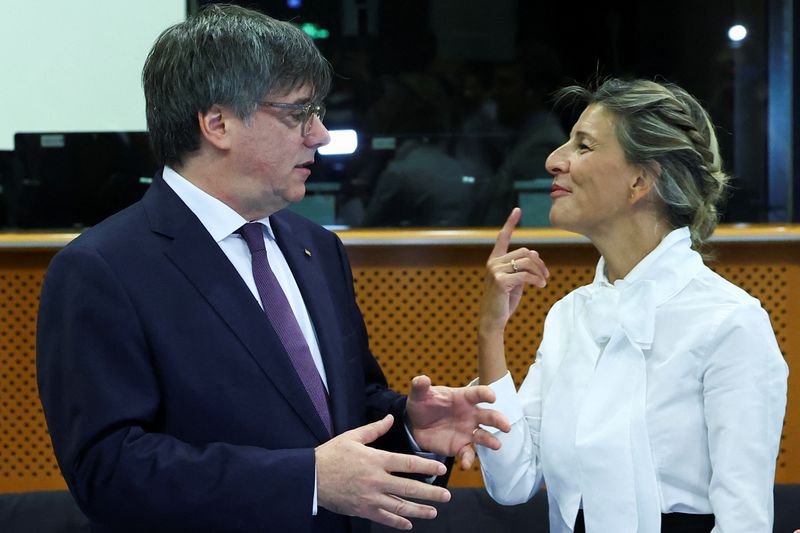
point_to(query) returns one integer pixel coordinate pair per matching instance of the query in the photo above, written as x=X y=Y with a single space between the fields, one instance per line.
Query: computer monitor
x=71 y=180
x=7 y=168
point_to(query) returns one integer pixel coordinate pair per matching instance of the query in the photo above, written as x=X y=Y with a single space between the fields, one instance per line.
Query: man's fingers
x=371 y=432
x=420 y=386
x=479 y=394
x=418 y=490
x=358 y=480
x=484 y=438
x=386 y=518
x=402 y=507
x=466 y=456
x=495 y=419
x=412 y=464
x=504 y=237
x=391 y=510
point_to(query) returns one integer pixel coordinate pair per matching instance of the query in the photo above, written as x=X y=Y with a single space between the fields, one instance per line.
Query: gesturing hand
x=444 y=419
x=507 y=273
x=356 y=480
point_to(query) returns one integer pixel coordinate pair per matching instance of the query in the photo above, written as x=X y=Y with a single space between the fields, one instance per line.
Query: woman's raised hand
x=507 y=273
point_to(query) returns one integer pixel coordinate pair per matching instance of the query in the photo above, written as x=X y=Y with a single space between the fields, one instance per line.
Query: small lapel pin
x=307 y=251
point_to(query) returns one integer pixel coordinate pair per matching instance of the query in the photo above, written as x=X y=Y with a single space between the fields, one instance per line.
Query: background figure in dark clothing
x=521 y=91
x=422 y=185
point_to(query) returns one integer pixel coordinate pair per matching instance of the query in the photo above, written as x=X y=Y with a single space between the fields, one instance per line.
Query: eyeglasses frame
x=309 y=110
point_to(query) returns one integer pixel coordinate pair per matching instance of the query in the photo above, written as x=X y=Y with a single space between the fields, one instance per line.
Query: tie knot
x=253 y=235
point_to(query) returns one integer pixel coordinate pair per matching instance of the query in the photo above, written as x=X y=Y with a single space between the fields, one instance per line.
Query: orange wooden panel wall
x=27 y=462
x=420 y=304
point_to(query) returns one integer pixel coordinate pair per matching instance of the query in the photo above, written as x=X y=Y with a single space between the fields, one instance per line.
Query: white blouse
x=662 y=392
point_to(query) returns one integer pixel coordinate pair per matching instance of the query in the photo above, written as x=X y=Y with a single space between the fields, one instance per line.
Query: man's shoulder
x=118 y=244
x=116 y=230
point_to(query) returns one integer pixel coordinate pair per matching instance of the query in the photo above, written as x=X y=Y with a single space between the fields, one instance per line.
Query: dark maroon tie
x=283 y=320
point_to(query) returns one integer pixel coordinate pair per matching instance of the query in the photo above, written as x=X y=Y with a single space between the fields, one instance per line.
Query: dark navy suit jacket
x=170 y=400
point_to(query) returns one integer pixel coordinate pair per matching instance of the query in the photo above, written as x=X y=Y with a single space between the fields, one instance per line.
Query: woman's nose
x=557 y=162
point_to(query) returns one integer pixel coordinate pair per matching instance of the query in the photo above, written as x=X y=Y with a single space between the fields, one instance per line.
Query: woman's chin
x=559 y=221
x=556 y=219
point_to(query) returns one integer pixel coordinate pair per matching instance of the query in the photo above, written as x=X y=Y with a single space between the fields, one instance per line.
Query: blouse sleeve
x=744 y=391
x=513 y=473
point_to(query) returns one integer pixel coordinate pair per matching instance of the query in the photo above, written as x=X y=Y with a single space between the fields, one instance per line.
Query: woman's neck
x=624 y=247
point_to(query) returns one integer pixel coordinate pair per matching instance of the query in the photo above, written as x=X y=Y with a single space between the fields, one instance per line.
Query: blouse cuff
x=506 y=401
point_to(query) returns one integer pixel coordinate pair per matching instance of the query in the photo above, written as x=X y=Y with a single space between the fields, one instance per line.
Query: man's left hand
x=444 y=420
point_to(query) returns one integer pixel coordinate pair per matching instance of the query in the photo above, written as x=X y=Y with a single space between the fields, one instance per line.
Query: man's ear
x=644 y=181
x=215 y=126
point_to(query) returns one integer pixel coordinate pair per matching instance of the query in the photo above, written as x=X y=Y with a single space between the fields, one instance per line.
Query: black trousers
x=670 y=523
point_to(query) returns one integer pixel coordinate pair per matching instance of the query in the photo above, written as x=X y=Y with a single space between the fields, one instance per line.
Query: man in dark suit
x=202 y=362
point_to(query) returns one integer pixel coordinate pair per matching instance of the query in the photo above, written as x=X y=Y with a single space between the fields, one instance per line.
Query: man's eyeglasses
x=307 y=110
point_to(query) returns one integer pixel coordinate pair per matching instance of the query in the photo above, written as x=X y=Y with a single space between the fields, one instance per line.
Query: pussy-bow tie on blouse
x=631 y=307
x=617 y=479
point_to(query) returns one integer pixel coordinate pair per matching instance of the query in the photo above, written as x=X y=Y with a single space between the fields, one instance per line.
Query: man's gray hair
x=225 y=55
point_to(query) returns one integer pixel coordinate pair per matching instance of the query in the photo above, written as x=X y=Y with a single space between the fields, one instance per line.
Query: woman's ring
x=514 y=265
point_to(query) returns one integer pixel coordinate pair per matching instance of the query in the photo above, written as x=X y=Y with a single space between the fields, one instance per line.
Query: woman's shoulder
x=709 y=288
x=715 y=305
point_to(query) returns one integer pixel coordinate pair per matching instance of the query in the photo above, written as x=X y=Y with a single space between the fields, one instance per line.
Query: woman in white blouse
x=657 y=396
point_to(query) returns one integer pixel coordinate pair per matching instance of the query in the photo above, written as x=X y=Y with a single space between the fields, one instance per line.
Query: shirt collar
x=216 y=216
x=671 y=265
x=641 y=270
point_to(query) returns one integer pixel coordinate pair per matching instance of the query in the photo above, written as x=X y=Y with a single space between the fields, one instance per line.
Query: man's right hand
x=356 y=480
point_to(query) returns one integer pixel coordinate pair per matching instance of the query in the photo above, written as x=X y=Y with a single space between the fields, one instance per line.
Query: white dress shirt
x=662 y=392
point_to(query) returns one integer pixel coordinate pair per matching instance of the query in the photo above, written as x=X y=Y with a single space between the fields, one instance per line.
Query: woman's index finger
x=504 y=237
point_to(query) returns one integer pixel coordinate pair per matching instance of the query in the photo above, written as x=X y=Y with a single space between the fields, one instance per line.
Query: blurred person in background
x=521 y=90
x=422 y=184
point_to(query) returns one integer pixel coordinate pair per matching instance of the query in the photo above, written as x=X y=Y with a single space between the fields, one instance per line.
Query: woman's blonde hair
x=663 y=128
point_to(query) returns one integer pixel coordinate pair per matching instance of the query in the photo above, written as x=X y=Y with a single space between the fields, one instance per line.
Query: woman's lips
x=558 y=191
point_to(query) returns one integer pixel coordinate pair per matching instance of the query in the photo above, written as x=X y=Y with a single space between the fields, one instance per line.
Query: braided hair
x=664 y=129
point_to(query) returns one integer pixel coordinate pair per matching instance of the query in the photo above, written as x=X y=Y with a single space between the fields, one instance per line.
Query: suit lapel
x=206 y=266
x=307 y=262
